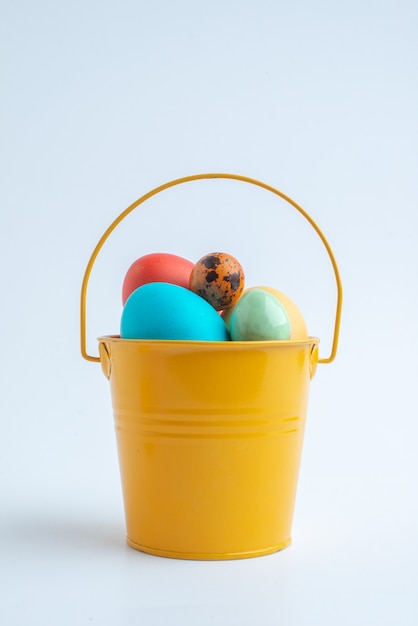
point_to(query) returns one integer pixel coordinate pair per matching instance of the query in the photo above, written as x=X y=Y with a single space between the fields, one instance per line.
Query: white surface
x=103 y=101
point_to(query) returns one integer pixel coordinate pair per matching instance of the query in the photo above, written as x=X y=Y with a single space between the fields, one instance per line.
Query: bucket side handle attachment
x=186 y=179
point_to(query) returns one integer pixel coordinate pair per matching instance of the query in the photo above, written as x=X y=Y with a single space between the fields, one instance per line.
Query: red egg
x=157 y=267
x=218 y=278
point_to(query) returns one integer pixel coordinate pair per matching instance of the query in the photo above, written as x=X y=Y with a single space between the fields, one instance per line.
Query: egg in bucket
x=209 y=469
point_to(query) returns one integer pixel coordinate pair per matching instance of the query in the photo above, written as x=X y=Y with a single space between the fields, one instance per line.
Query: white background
x=103 y=101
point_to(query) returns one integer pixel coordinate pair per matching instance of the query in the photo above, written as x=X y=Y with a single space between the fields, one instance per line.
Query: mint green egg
x=259 y=316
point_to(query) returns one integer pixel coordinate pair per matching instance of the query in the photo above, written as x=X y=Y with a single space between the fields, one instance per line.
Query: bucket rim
x=309 y=341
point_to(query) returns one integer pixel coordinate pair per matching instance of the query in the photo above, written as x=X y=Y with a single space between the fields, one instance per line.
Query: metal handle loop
x=187 y=179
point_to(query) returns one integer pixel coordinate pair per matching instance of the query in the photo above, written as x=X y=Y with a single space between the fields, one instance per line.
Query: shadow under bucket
x=209 y=434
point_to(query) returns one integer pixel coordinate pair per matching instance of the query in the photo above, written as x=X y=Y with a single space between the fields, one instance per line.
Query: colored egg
x=259 y=316
x=218 y=278
x=226 y=313
x=298 y=328
x=160 y=310
x=156 y=267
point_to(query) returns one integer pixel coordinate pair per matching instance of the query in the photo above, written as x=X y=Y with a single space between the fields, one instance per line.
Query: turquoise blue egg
x=166 y=311
x=259 y=316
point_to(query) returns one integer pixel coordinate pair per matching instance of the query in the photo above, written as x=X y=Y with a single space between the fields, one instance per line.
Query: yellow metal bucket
x=209 y=471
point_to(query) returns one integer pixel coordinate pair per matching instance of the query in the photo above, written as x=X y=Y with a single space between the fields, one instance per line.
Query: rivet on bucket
x=313 y=360
x=105 y=359
x=209 y=471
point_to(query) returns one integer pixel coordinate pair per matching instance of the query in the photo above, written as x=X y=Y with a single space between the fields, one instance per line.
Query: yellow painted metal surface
x=209 y=438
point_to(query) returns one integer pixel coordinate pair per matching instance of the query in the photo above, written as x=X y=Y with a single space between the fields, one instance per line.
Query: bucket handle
x=185 y=179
